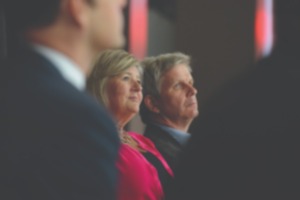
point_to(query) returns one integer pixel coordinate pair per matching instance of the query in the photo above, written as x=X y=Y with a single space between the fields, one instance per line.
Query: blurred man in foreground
x=56 y=141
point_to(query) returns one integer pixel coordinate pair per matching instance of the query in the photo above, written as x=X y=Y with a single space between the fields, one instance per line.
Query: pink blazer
x=138 y=179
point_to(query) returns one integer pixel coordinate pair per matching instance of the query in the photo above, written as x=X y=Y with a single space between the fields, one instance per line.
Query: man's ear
x=151 y=104
x=78 y=11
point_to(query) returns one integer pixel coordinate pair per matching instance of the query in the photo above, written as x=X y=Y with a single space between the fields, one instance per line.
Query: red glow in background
x=138 y=28
x=263 y=28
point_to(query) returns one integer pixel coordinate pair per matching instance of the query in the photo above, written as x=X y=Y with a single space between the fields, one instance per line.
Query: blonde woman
x=116 y=83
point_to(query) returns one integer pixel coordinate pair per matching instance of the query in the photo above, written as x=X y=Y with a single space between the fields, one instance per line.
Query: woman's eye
x=125 y=78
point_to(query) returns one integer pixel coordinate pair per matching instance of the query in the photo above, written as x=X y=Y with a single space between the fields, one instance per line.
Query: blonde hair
x=109 y=63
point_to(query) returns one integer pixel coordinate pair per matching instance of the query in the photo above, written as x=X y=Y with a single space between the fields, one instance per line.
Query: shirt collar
x=180 y=136
x=67 y=68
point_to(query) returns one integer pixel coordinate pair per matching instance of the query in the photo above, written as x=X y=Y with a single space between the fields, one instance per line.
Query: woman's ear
x=151 y=104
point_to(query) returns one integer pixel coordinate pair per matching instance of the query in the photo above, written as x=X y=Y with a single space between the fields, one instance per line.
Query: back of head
x=24 y=14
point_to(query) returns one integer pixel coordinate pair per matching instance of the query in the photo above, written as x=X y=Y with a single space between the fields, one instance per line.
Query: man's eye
x=177 y=85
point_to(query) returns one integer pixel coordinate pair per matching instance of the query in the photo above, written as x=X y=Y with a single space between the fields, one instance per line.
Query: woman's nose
x=137 y=85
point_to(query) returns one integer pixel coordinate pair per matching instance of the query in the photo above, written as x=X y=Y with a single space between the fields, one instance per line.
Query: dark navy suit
x=55 y=141
x=165 y=143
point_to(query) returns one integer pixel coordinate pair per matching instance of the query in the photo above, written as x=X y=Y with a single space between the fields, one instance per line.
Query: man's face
x=107 y=23
x=178 y=96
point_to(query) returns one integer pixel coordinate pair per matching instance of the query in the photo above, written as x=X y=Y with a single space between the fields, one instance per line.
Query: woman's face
x=124 y=93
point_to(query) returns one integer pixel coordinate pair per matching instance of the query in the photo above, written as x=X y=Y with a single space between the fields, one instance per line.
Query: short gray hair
x=110 y=63
x=154 y=69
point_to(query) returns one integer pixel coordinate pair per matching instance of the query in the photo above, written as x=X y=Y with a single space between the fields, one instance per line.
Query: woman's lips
x=134 y=98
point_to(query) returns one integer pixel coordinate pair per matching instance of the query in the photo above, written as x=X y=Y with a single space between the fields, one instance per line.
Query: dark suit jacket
x=165 y=143
x=169 y=149
x=55 y=142
x=247 y=140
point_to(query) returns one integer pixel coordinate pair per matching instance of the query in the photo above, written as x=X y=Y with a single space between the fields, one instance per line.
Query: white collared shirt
x=68 y=69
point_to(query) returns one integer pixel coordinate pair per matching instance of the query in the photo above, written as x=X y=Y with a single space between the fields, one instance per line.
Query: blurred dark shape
x=246 y=142
x=2 y=34
x=167 y=8
x=287 y=26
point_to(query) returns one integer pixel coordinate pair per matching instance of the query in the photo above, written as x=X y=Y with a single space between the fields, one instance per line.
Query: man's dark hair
x=23 y=14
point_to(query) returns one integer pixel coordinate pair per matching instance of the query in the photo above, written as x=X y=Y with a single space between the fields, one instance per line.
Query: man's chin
x=194 y=114
x=117 y=43
x=120 y=43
